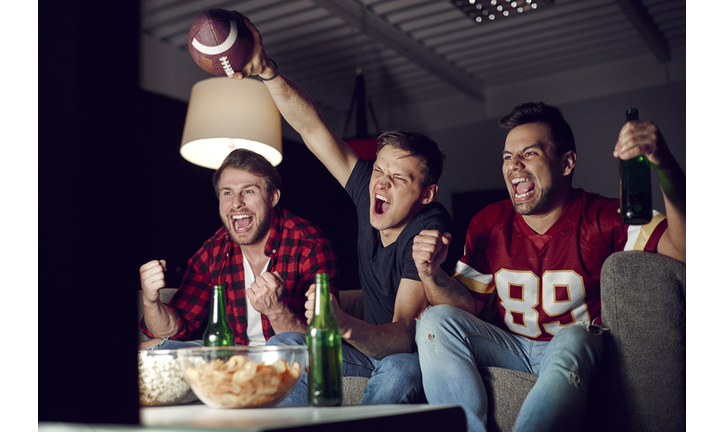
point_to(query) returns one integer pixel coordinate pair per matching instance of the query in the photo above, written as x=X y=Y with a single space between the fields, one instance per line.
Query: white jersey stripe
x=639 y=235
x=473 y=280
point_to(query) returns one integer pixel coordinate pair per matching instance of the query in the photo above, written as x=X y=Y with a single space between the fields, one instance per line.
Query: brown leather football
x=219 y=42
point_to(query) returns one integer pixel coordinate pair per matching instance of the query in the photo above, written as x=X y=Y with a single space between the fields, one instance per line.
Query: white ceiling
x=425 y=50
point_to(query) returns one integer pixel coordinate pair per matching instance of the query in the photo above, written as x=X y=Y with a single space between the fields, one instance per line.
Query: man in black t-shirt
x=394 y=196
x=383 y=267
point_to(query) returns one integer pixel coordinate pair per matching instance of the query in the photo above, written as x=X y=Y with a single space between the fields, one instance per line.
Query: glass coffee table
x=370 y=417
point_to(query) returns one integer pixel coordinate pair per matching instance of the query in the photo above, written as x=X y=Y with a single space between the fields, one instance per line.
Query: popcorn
x=160 y=379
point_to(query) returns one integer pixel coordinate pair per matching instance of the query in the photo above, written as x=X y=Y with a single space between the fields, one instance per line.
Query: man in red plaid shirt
x=265 y=256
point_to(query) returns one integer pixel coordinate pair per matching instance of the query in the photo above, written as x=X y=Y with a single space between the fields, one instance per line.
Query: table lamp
x=225 y=114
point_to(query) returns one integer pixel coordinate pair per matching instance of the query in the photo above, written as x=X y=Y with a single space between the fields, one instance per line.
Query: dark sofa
x=642 y=384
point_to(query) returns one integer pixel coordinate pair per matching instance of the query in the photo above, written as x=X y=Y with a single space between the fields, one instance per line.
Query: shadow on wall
x=311 y=192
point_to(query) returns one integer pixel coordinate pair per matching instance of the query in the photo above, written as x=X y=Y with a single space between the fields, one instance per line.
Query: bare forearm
x=440 y=288
x=378 y=341
x=295 y=105
x=287 y=321
x=302 y=113
x=673 y=186
x=159 y=319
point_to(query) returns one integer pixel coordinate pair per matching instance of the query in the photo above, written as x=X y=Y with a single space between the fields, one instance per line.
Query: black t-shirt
x=382 y=268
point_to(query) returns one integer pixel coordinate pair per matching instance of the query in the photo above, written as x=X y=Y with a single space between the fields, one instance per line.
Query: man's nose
x=515 y=163
x=238 y=200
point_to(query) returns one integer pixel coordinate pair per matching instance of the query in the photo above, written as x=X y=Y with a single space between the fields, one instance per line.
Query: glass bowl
x=243 y=376
x=161 y=380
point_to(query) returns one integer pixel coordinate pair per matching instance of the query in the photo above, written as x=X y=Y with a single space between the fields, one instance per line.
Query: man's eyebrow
x=537 y=145
x=394 y=173
x=246 y=186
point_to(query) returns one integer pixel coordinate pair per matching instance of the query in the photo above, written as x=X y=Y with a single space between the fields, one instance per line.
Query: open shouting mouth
x=524 y=188
x=382 y=204
x=241 y=222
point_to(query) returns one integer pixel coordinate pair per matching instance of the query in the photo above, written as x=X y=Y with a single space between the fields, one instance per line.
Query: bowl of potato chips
x=243 y=376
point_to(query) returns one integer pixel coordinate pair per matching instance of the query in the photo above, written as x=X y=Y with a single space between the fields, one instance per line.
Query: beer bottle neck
x=218 y=311
x=321 y=296
x=632 y=114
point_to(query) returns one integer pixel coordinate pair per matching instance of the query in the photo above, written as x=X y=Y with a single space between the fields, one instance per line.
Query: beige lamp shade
x=226 y=114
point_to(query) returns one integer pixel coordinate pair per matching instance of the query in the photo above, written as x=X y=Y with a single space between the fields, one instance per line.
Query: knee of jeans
x=287 y=338
x=157 y=346
x=432 y=321
x=403 y=367
x=583 y=342
x=400 y=361
x=583 y=333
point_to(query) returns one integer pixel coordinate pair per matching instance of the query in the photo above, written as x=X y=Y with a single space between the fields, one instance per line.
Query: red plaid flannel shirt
x=298 y=251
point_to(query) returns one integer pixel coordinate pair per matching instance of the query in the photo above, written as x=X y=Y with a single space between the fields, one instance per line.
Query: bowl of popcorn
x=243 y=376
x=161 y=380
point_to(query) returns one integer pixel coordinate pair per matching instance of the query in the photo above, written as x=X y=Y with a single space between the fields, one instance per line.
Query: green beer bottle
x=218 y=332
x=324 y=342
x=635 y=185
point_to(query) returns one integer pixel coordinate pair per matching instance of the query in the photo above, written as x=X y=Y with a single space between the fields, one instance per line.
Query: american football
x=219 y=42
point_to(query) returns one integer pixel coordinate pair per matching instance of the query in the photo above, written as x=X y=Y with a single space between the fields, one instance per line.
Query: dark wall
x=115 y=193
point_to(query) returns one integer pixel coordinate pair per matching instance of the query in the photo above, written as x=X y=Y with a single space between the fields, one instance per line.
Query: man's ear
x=275 y=197
x=428 y=194
x=569 y=162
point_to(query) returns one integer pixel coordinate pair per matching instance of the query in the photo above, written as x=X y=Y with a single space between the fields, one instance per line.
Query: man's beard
x=545 y=199
x=262 y=225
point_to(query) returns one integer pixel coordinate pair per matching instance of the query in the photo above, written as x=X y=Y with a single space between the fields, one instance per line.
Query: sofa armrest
x=644 y=307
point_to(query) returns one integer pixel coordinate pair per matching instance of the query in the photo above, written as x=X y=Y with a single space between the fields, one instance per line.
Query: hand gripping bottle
x=635 y=185
x=325 y=350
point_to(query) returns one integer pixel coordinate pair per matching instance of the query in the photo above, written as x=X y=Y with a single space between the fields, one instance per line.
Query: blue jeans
x=454 y=345
x=174 y=344
x=394 y=379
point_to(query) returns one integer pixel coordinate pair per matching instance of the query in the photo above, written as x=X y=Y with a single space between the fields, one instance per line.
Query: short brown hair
x=254 y=163
x=419 y=146
x=534 y=112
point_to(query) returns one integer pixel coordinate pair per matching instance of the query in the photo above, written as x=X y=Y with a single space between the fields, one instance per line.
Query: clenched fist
x=152 y=279
x=265 y=294
x=429 y=251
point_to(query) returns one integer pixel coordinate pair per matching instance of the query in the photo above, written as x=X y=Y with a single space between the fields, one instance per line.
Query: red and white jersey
x=547 y=281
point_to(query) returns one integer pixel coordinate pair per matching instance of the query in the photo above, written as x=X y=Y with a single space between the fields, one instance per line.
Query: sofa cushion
x=506 y=389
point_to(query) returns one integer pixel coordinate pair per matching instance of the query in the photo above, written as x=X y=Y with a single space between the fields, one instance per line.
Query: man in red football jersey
x=542 y=252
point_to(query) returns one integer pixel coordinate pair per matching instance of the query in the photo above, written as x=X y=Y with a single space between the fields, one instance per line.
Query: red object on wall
x=362 y=142
x=365 y=148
